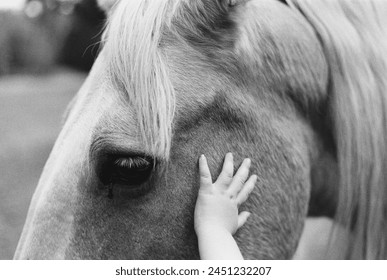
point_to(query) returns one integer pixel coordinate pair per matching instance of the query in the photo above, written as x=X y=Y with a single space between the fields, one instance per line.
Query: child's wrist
x=217 y=243
x=211 y=230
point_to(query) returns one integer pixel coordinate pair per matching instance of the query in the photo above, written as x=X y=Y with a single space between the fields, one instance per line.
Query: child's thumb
x=242 y=218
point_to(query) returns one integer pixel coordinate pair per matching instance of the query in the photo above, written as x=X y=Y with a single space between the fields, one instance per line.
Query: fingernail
x=248 y=161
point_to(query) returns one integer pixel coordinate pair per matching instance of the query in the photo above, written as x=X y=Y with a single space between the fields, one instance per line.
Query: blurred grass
x=24 y=45
x=31 y=109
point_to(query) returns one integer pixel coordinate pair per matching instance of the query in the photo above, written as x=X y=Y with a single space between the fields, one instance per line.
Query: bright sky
x=11 y=4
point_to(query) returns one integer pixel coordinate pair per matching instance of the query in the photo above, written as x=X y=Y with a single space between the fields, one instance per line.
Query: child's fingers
x=205 y=174
x=225 y=177
x=239 y=178
x=246 y=190
x=242 y=218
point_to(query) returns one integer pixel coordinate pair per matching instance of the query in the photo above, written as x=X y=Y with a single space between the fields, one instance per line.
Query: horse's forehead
x=276 y=51
x=263 y=38
x=282 y=57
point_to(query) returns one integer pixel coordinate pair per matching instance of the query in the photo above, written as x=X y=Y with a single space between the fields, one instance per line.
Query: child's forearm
x=218 y=244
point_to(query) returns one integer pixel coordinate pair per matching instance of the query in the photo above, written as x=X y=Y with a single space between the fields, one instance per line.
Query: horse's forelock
x=353 y=34
x=136 y=63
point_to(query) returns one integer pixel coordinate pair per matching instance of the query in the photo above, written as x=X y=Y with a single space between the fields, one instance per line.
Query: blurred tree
x=82 y=43
x=74 y=26
x=23 y=45
x=50 y=32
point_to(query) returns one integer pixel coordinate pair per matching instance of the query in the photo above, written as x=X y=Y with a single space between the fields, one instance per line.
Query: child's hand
x=217 y=203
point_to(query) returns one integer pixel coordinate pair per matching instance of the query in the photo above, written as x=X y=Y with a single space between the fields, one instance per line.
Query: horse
x=298 y=86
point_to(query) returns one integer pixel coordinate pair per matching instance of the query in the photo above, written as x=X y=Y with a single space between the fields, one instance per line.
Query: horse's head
x=174 y=80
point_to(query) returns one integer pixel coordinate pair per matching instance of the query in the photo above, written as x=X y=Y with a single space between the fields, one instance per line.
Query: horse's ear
x=354 y=37
x=106 y=5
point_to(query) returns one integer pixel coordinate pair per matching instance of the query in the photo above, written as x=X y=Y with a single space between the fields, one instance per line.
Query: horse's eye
x=128 y=171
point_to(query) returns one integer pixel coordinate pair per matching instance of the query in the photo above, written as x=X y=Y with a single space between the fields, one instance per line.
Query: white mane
x=137 y=66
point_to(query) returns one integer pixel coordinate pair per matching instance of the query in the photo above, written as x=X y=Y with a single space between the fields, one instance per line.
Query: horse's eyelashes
x=132 y=163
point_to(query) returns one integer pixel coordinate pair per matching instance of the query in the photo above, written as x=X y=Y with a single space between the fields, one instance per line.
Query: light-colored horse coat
x=299 y=88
